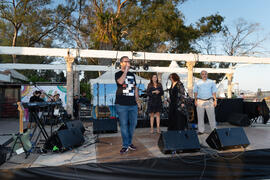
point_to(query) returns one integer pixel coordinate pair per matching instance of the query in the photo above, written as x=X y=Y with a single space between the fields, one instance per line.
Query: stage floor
x=110 y=144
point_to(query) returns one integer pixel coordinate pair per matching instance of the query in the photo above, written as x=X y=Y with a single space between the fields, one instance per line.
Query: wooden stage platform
x=110 y=144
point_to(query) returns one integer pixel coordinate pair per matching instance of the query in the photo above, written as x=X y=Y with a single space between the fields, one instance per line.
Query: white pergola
x=71 y=54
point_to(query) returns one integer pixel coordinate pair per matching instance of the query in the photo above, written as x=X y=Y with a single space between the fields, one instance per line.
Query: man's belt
x=206 y=99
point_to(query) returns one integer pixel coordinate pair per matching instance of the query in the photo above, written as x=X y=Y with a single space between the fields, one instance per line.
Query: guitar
x=21 y=110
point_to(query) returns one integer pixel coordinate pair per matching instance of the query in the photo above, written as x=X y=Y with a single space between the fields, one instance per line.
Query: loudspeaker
x=239 y=119
x=227 y=138
x=104 y=126
x=179 y=141
x=65 y=139
x=73 y=124
x=3 y=155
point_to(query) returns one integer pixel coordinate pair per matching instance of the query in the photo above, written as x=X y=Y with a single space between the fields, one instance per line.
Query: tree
x=31 y=21
x=241 y=39
x=238 y=40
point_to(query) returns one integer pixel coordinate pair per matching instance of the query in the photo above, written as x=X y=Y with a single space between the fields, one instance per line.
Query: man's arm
x=195 y=90
x=195 y=98
x=215 y=99
x=137 y=97
x=136 y=94
x=121 y=80
x=214 y=90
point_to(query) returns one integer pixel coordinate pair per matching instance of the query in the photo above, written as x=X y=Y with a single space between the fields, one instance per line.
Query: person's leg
x=210 y=110
x=200 y=114
x=122 y=112
x=31 y=120
x=132 y=122
x=152 y=122
x=171 y=118
x=158 y=121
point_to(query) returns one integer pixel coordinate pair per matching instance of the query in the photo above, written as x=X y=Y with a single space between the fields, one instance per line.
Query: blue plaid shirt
x=205 y=89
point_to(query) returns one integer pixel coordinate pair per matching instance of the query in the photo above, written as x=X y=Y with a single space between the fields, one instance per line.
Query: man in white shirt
x=205 y=100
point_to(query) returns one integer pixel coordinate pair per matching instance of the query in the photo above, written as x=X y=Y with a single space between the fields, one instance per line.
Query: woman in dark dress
x=177 y=120
x=154 y=92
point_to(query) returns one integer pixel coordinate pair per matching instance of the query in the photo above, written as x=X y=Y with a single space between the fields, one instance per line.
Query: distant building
x=12 y=76
x=10 y=86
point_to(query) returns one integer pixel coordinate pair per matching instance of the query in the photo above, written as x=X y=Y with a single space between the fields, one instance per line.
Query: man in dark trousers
x=76 y=106
x=126 y=103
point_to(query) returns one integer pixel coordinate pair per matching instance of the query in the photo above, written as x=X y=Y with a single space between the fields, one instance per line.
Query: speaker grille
x=178 y=141
x=227 y=138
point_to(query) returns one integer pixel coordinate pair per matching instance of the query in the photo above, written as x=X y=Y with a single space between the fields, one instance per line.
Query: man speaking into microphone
x=126 y=103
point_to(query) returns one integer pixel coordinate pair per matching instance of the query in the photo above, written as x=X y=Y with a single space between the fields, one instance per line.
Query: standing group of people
x=127 y=103
x=77 y=101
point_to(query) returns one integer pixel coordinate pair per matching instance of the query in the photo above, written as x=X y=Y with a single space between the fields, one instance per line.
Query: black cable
x=204 y=167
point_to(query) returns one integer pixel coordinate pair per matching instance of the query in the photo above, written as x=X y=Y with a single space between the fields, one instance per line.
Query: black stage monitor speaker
x=65 y=139
x=227 y=138
x=3 y=155
x=104 y=126
x=178 y=141
x=239 y=119
x=73 y=124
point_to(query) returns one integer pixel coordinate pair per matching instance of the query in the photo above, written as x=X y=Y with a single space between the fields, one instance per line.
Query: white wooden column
x=229 y=88
x=190 y=65
x=69 y=60
x=77 y=83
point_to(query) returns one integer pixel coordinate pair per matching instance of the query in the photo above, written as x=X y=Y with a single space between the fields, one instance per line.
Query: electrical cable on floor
x=196 y=162
x=204 y=167
x=217 y=155
x=190 y=161
x=212 y=154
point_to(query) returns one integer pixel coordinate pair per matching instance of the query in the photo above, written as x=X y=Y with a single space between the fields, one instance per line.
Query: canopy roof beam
x=107 y=68
x=106 y=54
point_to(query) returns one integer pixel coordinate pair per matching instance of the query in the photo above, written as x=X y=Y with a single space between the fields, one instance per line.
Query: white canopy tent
x=108 y=79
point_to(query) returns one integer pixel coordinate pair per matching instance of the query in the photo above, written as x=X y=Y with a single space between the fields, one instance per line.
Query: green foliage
x=61 y=77
x=30 y=23
x=211 y=25
x=137 y=25
x=44 y=76
x=86 y=87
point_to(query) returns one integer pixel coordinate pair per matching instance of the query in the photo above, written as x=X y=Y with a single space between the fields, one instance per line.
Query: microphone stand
x=41 y=90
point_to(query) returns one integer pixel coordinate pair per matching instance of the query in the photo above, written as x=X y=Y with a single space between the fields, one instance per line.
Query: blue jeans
x=128 y=121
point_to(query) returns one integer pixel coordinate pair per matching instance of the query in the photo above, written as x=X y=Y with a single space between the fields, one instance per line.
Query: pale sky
x=249 y=77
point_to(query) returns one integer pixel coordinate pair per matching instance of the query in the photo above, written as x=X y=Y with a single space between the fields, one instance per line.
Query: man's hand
x=215 y=103
x=127 y=67
x=195 y=102
x=139 y=105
